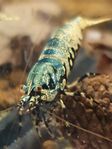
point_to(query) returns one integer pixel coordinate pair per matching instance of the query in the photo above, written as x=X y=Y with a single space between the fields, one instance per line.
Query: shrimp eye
x=39 y=88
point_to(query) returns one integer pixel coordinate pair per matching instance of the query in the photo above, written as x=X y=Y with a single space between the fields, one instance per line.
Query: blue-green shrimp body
x=48 y=77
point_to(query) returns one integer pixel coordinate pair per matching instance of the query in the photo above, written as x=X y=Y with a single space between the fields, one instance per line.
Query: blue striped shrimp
x=48 y=77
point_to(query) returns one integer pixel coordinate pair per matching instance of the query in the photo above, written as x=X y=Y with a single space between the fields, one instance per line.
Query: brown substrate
x=92 y=112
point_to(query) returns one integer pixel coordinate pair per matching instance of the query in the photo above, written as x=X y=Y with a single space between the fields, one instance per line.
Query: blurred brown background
x=87 y=7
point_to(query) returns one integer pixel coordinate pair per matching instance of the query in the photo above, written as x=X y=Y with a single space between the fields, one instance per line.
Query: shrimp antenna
x=80 y=128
